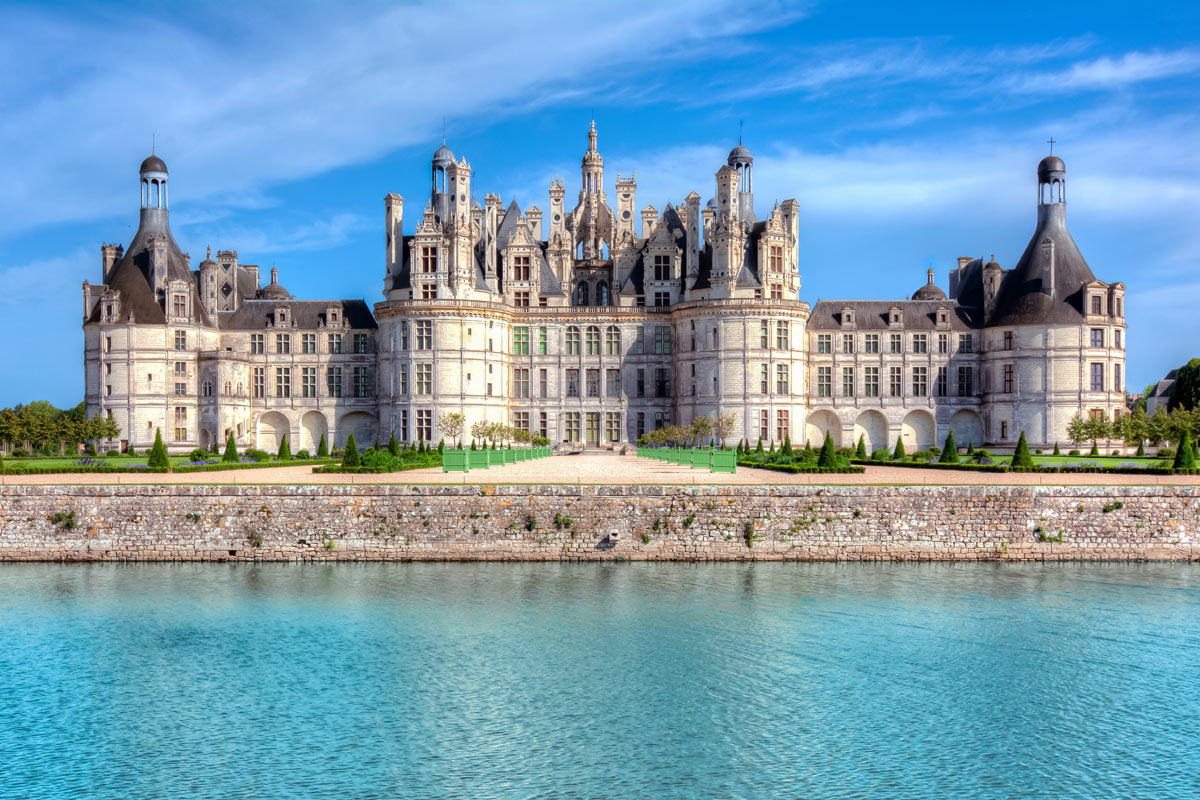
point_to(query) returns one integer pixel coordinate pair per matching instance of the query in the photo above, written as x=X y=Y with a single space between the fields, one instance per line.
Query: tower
x=743 y=163
x=626 y=192
x=393 y=212
x=439 y=197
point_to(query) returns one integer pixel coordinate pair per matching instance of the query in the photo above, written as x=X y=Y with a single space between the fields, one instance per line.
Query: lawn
x=1104 y=461
x=69 y=461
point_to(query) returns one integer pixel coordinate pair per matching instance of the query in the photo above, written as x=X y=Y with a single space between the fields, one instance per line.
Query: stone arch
x=270 y=430
x=362 y=424
x=873 y=426
x=312 y=427
x=820 y=423
x=919 y=431
x=968 y=427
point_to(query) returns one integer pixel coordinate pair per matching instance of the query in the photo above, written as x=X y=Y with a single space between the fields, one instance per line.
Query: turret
x=692 y=202
x=626 y=197
x=393 y=212
x=439 y=197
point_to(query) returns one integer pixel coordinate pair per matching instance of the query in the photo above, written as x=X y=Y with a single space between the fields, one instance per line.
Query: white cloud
x=1110 y=73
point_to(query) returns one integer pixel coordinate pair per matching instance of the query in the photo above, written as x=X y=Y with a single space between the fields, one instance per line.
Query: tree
x=285 y=449
x=1056 y=451
x=393 y=446
x=950 y=450
x=158 y=453
x=322 y=448
x=1021 y=458
x=722 y=427
x=1185 y=456
x=860 y=452
x=479 y=430
x=1077 y=430
x=450 y=424
x=759 y=449
x=231 y=453
x=700 y=429
x=898 y=454
x=1185 y=394
x=828 y=455
x=351 y=458
x=787 y=445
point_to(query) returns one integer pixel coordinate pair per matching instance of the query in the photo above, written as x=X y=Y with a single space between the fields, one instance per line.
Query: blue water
x=600 y=681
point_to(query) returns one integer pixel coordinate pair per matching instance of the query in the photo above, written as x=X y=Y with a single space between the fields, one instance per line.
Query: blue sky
x=908 y=133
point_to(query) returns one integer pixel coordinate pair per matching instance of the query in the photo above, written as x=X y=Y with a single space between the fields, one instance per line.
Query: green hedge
x=222 y=467
x=934 y=465
x=802 y=468
x=27 y=469
x=333 y=469
x=1050 y=470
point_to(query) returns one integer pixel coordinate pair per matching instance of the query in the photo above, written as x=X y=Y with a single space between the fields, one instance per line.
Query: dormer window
x=281 y=316
x=1097 y=304
x=942 y=316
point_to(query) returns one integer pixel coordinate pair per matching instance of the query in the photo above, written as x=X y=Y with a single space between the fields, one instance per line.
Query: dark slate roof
x=637 y=275
x=930 y=291
x=749 y=278
x=549 y=284
x=508 y=226
x=256 y=315
x=400 y=279
x=1025 y=297
x=1164 y=387
x=704 y=271
x=873 y=315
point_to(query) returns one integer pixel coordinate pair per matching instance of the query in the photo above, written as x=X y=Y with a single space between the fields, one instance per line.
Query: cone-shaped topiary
x=1021 y=458
x=772 y=450
x=473 y=447
x=158 y=453
x=861 y=451
x=1141 y=451
x=1056 y=452
x=322 y=448
x=1185 y=456
x=759 y=449
x=808 y=453
x=898 y=454
x=216 y=450
x=950 y=450
x=1095 y=452
x=231 y=453
x=828 y=456
x=970 y=448
x=351 y=459
x=394 y=446
x=441 y=445
x=285 y=449
x=787 y=445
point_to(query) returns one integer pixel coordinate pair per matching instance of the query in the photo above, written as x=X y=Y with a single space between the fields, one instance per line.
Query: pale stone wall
x=959 y=523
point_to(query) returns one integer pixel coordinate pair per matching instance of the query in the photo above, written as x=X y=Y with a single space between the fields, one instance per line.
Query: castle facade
x=585 y=326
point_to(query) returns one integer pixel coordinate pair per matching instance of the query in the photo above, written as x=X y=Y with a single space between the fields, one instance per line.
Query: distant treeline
x=39 y=426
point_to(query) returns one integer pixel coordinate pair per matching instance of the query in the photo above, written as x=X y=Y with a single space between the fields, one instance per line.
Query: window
x=662 y=340
x=308 y=343
x=1003 y=429
x=593 y=383
x=335 y=341
x=824 y=381
x=521 y=420
x=544 y=424
x=108 y=344
x=639 y=340
x=920 y=381
x=403 y=338
x=1117 y=385
x=661 y=419
x=1097 y=337
x=179 y=303
x=920 y=343
x=180 y=389
x=572 y=383
x=404 y=379
x=662 y=383
x=764 y=381
x=775 y=259
x=360 y=343
x=181 y=340
x=662 y=268
x=612 y=383
x=404 y=424
x=943 y=343
x=895 y=381
x=782 y=428
x=520 y=341
x=612 y=341
x=260 y=382
x=425 y=424
x=662 y=299
x=543 y=383
x=425 y=379
x=1117 y=338
x=521 y=299
x=1008 y=378
x=1095 y=304
x=308 y=382
x=871 y=381
x=847 y=342
x=965 y=343
x=1120 y=307
x=181 y=368
x=207 y=387
x=425 y=335
x=782 y=339
x=940 y=382
x=1008 y=341
x=641 y=383
x=429 y=260
x=333 y=380
x=283 y=343
x=764 y=425
x=782 y=384
x=520 y=382
x=966 y=382
x=428 y=291
x=776 y=291
x=824 y=343
x=573 y=341
x=871 y=343
x=764 y=337
x=612 y=426
x=283 y=381
x=896 y=343
x=641 y=424
x=521 y=271
x=1097 y=377
x=574 y=430
x=362 y=382
x=592 y=340
x=847 y=381
x=716 y=338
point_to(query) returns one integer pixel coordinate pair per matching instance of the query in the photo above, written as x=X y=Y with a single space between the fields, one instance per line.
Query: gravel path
x=607 y=469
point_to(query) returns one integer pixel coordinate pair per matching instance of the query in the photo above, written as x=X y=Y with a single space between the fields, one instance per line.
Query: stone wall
x=534 y=523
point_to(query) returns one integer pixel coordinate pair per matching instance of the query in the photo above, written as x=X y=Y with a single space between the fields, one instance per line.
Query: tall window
x=662 y=268
x=520 y=382
x=965 y=343
x=764 y=379
x=1008 y=378
x=775 y=259
x=847 y=342
x=641 y=424
x=1117 y=338
x=333 y=380
x=521 y=269
x=896 y=343
x=592 y=340
x=283 y=343
x=847 y=381
x=593 y=383
x=921 y=381
x=283 y=381
x=1008 y=340
x=425 y=424
x=1097 y=337
x=403 y=379
x=612 y=426
x=782 y=337
x=870 y=342
x=335 y=342
x=543 y=382
x=362 y=382
x=782 y=428
x=612 y=341
x=520 y=341
x=641 y=383
x=639 y=340
x=179 y=303
x=940 y=382
x=662 y=382
x=572 y=383
x=360 y=343
x=429 y=259
x=920 y=343
x=308 y=382
x=943 y=343
x=824 y=381
x=308 y=343
x=612 y=383
x=574 y=430
x=260 y=382
x=782 y=384
x=425 y=379
x=544 y=424
x=1118 y=386
x=662 y=339
x=256 y=344
x=895 y=381
x=424 y=335
x=871 y=381
x=764 y=336
x=404 y=424
x=764 y=425
x=966 y=382
x=573 y=341
x=403 y=336
x=1097 y=377
x=542 y=341
x=824 y=343
x=181 y=340
x=1095 y=304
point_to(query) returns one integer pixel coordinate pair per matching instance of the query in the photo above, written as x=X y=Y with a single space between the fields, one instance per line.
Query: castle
x=585 y=329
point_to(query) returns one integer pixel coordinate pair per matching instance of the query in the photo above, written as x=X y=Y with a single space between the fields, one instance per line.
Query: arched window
x=602 y=298
x=572 y=341
x=612 y=341
x=593 y=340
x=581 y=294
x=208 y=388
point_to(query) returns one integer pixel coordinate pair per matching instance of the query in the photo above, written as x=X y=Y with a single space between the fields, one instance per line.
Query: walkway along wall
x=551 y=523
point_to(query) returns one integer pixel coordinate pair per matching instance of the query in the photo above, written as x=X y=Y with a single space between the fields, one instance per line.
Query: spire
x=929 y=277
x=592 y=138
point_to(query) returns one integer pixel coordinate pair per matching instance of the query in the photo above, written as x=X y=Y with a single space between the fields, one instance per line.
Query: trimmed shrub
x=231 y=453
x=258 y=455
x=950 y=451
x=1095 y=452
x=158 y=453
x=199 y=454
x=351 y=459
x=303 y=455
x=285 y=449
x=393 y=447
x=1185 y=456
x=861 y=450
x=828 y=455
x=1056 y=449
x=898 y=453
x=1021 y=458
x=322 y=448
